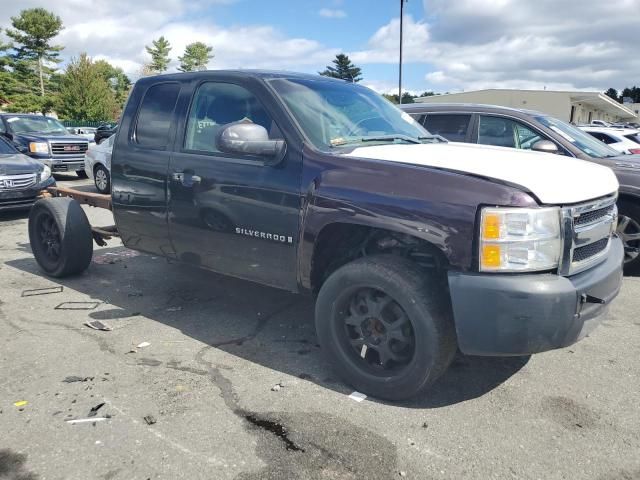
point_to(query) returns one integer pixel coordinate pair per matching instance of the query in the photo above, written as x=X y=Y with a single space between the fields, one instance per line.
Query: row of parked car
x=87 y=150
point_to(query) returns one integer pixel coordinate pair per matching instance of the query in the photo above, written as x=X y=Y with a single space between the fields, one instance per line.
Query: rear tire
x=629 y=232
x=386 y=326
x=102 y=179
x=60 y=236
x=81 y=174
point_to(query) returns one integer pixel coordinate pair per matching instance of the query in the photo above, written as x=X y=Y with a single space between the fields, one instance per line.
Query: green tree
x=32 y=32
x=196 y=57
x=343 y=68
x=159 y=52
x=633 y=93
x=406 y=97
x=117 y=80
x=613 y=93
x=85 y=94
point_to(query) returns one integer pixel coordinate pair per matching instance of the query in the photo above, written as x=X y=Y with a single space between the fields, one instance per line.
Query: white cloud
x=118 y=33
x=383 y=46
x=332 y=13
x=469 y=44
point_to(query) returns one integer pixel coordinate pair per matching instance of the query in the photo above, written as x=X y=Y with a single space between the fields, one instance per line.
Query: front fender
x=434 y=205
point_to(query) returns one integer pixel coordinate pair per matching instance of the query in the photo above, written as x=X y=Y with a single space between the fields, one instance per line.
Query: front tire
x=102 y=179
x=60 y=236
x=629 y=232
x=386 y=326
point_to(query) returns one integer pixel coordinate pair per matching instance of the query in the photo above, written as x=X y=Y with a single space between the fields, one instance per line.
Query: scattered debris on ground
x=77 y=306
x=277 y=387
x=143 y=345
x=75 y=378
x=21 y=404
x=94 y=411
x=42 y=291
x=87 y=420
x=357 y=396
x=98 y=325
x=174 y=309
x=150 y=419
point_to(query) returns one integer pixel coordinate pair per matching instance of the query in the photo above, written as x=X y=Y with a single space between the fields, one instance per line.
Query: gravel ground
x=233 y=386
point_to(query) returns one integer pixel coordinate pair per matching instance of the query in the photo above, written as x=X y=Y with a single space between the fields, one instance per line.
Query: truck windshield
x=585 y=142
x=334 y=114
x=35 y=124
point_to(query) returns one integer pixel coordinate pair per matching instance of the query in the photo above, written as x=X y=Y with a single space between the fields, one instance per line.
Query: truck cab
x=45 y=139
x=412 y=246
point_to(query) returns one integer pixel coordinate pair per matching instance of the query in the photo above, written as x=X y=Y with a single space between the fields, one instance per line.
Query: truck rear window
x=156 y=112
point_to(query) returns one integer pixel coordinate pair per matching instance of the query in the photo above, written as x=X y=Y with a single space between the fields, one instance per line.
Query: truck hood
x=12 y=164
x=553 y=179
x=44 y=137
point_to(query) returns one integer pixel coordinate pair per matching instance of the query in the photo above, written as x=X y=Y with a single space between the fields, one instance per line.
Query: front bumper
x=23 y=199
x=522 y=314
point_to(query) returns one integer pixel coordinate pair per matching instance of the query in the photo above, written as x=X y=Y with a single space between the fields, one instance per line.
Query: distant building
x=635 y=108
x=574 y=107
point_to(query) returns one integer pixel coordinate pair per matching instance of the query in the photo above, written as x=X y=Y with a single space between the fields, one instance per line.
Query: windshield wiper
x=390 y=138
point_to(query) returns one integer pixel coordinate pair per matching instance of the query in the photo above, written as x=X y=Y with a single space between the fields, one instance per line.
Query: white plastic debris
x=87 y=420
x=143 y=344
x=357 y=396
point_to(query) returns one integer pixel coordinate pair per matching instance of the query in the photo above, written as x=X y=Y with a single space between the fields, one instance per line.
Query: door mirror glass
x=247 y=138
x=545 y=146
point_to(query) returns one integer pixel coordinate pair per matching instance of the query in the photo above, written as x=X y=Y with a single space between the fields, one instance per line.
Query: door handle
x=186 y=179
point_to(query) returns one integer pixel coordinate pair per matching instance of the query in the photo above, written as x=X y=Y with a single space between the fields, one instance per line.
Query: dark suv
x=530 y=130
x=45 y=139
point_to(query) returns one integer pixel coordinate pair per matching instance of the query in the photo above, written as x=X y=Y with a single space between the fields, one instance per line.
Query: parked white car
x=621 y=139
x=97 y=164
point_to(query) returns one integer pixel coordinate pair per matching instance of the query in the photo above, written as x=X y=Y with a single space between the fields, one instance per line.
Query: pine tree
x=196 y=57
x=343 y=68
x=33 y=30
x=159 y=52
x=86 y=95
x=613 y=93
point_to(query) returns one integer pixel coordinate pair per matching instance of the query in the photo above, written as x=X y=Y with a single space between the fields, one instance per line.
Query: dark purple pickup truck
x=414 y=247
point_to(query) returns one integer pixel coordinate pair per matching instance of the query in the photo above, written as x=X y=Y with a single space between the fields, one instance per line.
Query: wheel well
x=98 y=164
x=625 y=197
x=339 y=243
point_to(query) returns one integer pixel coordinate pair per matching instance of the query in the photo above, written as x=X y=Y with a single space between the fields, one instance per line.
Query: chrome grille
x=587 y=230
x=63 y=149
x=582 y=253
x=593 y=216
x=17 y=182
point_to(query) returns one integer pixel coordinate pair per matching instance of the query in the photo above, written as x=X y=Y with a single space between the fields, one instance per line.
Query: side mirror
x=249 y=139
x=545 y=146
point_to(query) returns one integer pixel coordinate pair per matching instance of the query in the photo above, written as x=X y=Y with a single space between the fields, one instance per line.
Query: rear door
x=233 y=213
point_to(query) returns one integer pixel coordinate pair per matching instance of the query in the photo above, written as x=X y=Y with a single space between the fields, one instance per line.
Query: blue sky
x=349 y=33
x=449 y=45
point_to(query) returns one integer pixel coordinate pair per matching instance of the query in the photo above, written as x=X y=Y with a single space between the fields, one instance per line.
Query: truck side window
x=154 y=120
x=217 y=104
x=451 y=127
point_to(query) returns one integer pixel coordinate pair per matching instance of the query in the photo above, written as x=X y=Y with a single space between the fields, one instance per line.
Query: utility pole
x=400 y=65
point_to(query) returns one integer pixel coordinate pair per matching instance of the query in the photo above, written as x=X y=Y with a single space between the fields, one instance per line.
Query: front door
x=235 y=214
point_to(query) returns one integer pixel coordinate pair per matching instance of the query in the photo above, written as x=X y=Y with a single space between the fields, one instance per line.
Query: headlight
x=38 y=147
x=519 y=239
x=45 y=174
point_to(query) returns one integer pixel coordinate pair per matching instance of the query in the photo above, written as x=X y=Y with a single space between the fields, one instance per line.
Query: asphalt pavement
x=207 y=377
